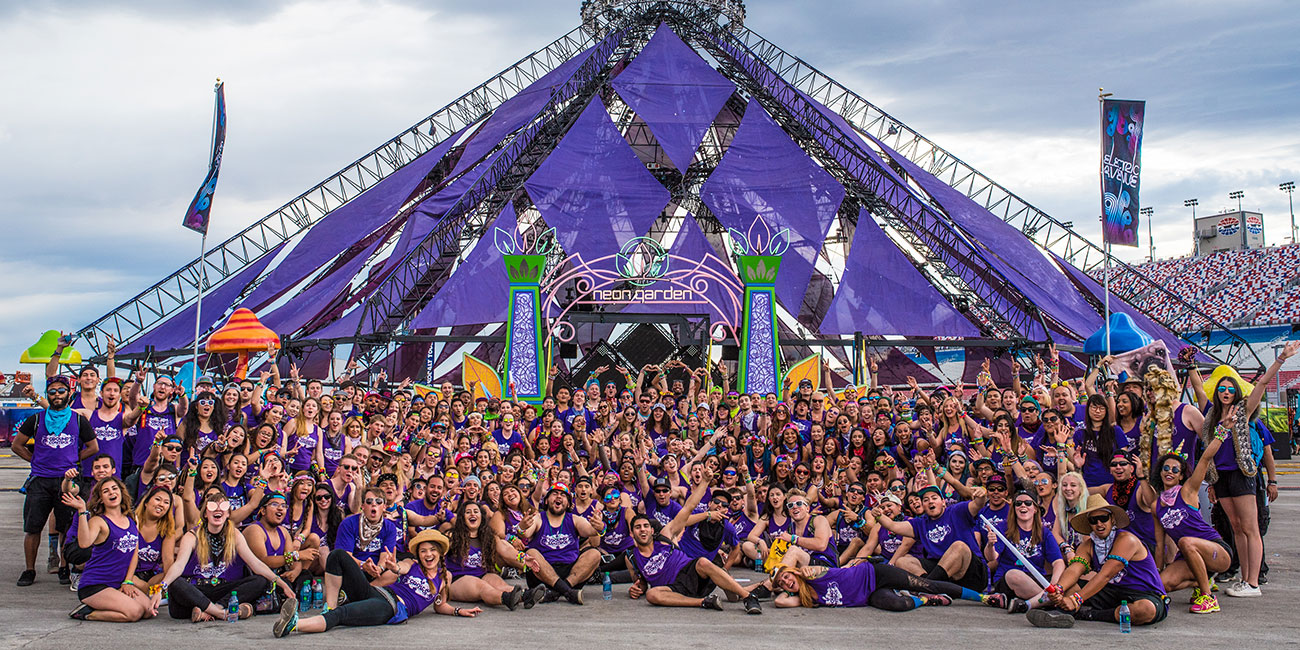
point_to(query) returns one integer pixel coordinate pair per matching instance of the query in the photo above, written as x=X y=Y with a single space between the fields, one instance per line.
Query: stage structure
x=632 y=158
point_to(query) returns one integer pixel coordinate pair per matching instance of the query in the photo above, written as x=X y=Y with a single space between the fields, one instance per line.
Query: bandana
x=56 y=421
x=1101 y=546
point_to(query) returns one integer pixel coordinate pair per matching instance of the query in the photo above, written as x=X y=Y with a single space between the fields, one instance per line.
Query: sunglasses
x=350 y=468
x=1099 y=519
x=796 y=504
x=171 y=447
x=372 y=501
x=898 y=488
x=165 y=477
x=1172 y=469
x=1042 y=481
x=323 y=497
x=245 y=390
x=996 y=487
x=1227 y=389
x=57 y=391
x=662 y=491
x=1120 y=463
x=1024 y=503
x=856 y=491
x=801 y=472
x=1051 y=418
x=214 y=506
x=206 y=402
x=728 y=472
x=612 y=495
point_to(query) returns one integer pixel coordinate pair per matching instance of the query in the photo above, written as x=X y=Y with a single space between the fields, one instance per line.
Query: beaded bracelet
x=1079 y=559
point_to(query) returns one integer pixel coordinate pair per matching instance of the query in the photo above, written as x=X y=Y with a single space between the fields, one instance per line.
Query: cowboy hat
x=1097 y=503
x=431 y=535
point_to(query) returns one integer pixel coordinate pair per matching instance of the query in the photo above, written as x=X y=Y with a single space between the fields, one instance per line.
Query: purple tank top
x=150 y=559
x=742 y=522
x=416 y=590
x=1184 y=439
x=216 y=569
x=889 y=542
x=828 y=556
x=333 y=453
x=1141 y=523
x=110 y=559
x=277 y=549
x=54 y=453
x=306 y=449
x=472 y=564
x=848 y=587
x=663 y=565
x=775 y=530
x=150 y=424
x=557 y=543
x=1181 y=520
x=616 y=538
x=1139 y=575
x=111 y=439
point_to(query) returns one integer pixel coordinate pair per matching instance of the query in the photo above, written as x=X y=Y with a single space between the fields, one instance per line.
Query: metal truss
x=1043 y=229
x=159 y=302
x=402 y=294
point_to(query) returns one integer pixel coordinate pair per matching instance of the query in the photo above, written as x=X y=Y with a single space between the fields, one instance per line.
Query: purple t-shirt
x=847 y=587
x=661 y=514
x=56 y=452
x=955 y=524
x=1040 y=555
x=416 y=590
x=348 y=538
x=663 y=565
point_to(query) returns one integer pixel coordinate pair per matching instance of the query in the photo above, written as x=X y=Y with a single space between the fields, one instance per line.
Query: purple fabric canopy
x=691 y=244
x=347 y=225
x=1000 y=367
x=881 y=293
x=517 y=111
x=305 y=306
x=765 y=173
x=178 y=331
x=1010 y=252
x=477 y=290
x=1154 y=329
x=675 y=92
x=593 y=189
x=896 y=367
x=341 y=328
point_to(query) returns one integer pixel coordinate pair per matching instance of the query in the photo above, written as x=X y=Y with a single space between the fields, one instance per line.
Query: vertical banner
x=196 y=216
x=1121 y=165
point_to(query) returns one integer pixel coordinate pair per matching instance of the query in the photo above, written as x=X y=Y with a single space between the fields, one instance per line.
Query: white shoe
x=1244 y=590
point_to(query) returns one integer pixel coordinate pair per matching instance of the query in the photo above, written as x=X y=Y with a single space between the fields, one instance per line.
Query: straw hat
x=1097 y=503
x=431 y=535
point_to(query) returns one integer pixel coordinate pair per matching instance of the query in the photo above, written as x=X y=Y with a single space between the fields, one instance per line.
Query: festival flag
x=196 y=216
x=1121 y=166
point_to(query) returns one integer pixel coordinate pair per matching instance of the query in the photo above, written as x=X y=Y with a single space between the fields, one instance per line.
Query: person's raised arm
x=697 y=494
x=110 y=360
x=978 y=497
x=1221 y=433
x=1261 y=384
x=1197 y=383
x=52 y=366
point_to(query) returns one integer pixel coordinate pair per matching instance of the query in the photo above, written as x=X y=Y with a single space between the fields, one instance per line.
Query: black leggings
x=183 y=597
x=366 y=605
x=889 y=578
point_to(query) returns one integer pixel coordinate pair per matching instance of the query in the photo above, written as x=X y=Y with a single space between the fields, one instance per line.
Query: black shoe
x=996 y=600
x=1263 y=578
x=81 y=613
x=752 y=606
x=534 y=596
x=574 y=596
x=1049 y=618
x=27 y=578
x=761 y=592
x=1017 y=606
x=65 y=576
x=512 y=598
x=551 y=596
x=711 y=602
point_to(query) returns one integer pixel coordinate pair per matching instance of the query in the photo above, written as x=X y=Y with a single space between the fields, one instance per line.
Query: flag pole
x=203 y=251
x=1105 y=242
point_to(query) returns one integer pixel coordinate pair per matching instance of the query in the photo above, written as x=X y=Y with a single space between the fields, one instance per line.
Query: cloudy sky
x=105 y=118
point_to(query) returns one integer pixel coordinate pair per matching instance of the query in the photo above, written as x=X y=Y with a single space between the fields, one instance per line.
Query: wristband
x=1079 y=559
x=128 y=582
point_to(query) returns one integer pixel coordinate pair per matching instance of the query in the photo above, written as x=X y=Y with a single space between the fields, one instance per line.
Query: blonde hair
x=167 y=522
x=229 y=531
x=1064 y=508
x=807 y=595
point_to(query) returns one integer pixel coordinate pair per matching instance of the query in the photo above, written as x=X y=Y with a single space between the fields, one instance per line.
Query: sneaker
x=27 y=577
x=52 y=564
x=574 y=596
x=1226 y=577
x=711 y=602
x=998 y=600
x=761 y=592
x=512 y=598
x=1205 y=604
x=1017 y=606
x=534 y=596
x=1049 y=618
x=65 y=575
x=1263 y=579
x=752 y=606
x=81 y=613
x=1196 y=594
x=76 y=581
x=935 y=600
x=1244 y=590
x=288 y=620
x=550 y=596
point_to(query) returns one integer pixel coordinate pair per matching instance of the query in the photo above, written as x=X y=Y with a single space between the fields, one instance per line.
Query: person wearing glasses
x=1132 y=493
x=1125 y=572
x=60 y=439
x=275 y=544
x=158 y=421
x=809 y=534
x=364 y=536
x=210 y=565
x=1025 y=529
x=847 y=521
x=1180 y=521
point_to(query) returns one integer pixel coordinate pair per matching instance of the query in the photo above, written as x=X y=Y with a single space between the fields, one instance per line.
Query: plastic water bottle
x=232 y=609
x=317 y=595
x=1125 y=620
x=608 y=588
x=304 y=597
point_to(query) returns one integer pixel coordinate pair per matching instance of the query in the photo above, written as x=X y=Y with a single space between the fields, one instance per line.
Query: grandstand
x=1239 y=288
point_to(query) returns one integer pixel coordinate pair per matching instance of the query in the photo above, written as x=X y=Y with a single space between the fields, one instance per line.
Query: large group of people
x=369 y=504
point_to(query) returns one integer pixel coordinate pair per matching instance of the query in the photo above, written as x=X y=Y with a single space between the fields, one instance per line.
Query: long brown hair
x=96 y=504
x=1013 y=526
x=487 y=538
x=228 y=531
x=167 y=522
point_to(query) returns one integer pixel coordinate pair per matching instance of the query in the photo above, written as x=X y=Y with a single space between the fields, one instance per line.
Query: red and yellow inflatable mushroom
x=242 y=334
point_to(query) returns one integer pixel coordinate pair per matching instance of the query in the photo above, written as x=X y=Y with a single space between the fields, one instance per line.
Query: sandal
x=200 y=616
x=245 y=613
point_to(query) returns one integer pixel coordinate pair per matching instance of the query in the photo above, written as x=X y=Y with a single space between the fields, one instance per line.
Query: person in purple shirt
x=1125 y=572
x=1096 y=441
x=106 y=591
x=111 y=419
x=472 y=560
x=862 y=585
x=658 y=505
x=670 y=578
x=1179 y=519
x=1034 y=541
x=555 y=536
x=946 y=535
x=59 y=439
x=367 y=535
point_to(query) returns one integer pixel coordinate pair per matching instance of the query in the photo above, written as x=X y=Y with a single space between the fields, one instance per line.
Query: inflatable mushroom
x=242 y=334
x=44 y=348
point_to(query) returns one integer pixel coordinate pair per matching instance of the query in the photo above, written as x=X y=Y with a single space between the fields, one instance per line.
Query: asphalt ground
x=37 y=616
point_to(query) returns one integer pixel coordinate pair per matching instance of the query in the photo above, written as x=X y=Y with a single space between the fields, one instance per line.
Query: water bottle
x=1125 y=620
x=232 y=609
x=304 y=597
x=317 y=595
x=609 y=587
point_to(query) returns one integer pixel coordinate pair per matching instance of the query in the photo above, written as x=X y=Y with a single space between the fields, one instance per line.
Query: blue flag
x=196 y=216
x=1121 y=167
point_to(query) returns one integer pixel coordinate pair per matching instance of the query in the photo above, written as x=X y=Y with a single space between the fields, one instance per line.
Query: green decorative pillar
x=524 y=376
x=759 y=351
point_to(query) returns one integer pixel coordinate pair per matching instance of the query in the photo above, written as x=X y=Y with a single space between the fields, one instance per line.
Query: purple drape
x=882 y=293
x=593 y=189
x=691 y=244
x=1000 y=367
x=896 y=367
x=313 y=300
x=178 y=331
x=1154 y=329
x=765 y=173
x=477 y=290
x=675 y=92
x=347 y=225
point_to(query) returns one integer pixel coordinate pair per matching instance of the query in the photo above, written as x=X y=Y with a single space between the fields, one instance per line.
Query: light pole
x=1196 y=237
x=1237 y=195
x=1289 y=188
x=1151 y=238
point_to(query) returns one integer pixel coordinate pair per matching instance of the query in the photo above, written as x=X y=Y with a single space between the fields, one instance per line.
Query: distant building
x=1229 y=231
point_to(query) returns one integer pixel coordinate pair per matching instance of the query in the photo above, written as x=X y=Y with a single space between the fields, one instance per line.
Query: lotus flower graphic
x=642 y=261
